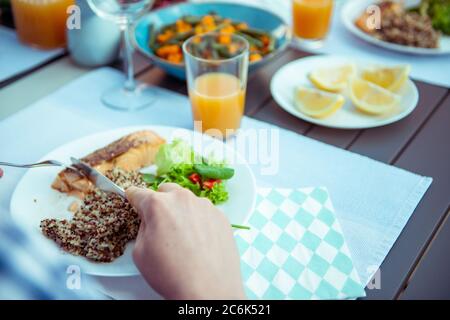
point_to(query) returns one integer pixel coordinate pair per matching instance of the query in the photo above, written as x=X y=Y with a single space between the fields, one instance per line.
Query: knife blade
x=97 y=178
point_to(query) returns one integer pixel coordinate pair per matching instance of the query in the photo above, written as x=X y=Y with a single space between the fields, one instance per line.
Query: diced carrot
x=163 y=37
x=227 y=29
x=167 y=50
x=265 y=40
x=175 y=57
x=242 y=26
x=197 y=40
x=185 y=28
x=225 y=39
x=180 y=22
x=182 y=26
x=208 y=20
x=233 y=48
x=199 y=29
x=255 y=57
x=209 y=28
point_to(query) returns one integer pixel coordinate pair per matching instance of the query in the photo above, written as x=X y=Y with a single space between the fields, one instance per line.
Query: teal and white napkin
x=295 y=248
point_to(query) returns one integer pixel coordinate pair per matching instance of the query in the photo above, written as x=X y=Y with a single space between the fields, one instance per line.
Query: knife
x=97 y=178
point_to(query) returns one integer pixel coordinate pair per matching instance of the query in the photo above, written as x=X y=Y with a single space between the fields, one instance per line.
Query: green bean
x=184 y=36
x=174 y=41
x=192 y=19
x=255 y=32
x=152 y=37
x=195 y=49
x=215 y=55
x=223 y=50
x=198 y=49
x=272 y=43
x=253 y=41
x=166 y=27
x=220 y=26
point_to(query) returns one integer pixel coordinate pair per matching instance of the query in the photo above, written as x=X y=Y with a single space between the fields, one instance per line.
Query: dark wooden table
x=418 y=264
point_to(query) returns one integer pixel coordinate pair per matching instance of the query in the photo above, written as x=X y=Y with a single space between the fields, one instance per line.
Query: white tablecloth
x=16 y=58
x=373 y=201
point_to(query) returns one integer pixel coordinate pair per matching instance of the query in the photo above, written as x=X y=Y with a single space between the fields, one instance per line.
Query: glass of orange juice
x=216 y=72
x=311 y=21
x=41 y=23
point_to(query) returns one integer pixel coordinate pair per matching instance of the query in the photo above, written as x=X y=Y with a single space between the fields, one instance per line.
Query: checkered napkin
x=295 y=248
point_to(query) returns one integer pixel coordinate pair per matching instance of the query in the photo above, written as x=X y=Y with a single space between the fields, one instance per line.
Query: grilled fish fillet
x=132 y=152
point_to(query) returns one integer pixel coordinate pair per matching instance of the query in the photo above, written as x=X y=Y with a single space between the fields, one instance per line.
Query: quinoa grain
x=103 y=224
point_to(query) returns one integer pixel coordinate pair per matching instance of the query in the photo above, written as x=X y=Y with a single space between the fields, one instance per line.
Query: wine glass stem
x=130 y=83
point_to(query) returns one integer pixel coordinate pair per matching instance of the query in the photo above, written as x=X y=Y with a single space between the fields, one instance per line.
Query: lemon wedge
x=390 y=78
x=370 y=98
x=317 y=103
x=332 y=79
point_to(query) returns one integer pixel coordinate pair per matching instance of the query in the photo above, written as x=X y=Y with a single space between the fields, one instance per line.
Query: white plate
x=353 y=9
x=295 y=73
x=34 y=199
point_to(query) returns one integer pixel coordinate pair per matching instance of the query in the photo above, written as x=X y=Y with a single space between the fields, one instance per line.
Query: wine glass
x=131 y=96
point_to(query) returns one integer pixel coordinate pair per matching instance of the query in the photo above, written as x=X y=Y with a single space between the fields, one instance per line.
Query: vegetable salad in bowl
x=160 y=34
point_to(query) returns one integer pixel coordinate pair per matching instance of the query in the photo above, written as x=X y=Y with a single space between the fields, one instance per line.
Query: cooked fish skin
x=131 y=152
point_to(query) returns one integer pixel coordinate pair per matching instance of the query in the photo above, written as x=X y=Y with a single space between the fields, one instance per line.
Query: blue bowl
x=254 y=17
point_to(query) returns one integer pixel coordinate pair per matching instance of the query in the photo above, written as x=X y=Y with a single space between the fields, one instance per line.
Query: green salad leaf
x=180 y=174
x=169 y=155
x=177 y=163
x=438 y=11
x=440 y=15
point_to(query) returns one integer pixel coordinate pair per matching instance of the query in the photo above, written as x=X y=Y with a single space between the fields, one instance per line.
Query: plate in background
x=348 y=117
x=353 y=9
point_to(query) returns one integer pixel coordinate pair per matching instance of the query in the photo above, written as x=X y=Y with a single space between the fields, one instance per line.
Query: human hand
x=185 y=247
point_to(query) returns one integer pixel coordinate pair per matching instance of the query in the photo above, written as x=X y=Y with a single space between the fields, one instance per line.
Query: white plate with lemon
x=339 y=92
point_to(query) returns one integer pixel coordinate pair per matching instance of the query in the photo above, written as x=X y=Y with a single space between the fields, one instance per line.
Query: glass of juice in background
x=217 y=84
x=41 y=23
x=311 y=21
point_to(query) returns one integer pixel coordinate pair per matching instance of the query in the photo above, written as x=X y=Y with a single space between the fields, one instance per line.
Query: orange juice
x=41 y=23
x=218 y=101
x=311 y=18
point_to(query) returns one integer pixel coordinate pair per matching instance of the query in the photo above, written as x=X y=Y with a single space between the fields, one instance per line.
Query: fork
x=47 y=163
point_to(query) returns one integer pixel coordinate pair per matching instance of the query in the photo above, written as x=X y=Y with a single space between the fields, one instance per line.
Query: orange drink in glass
x=41 y=23
x=311 y=20
x=216 y=85
x=218 y=100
